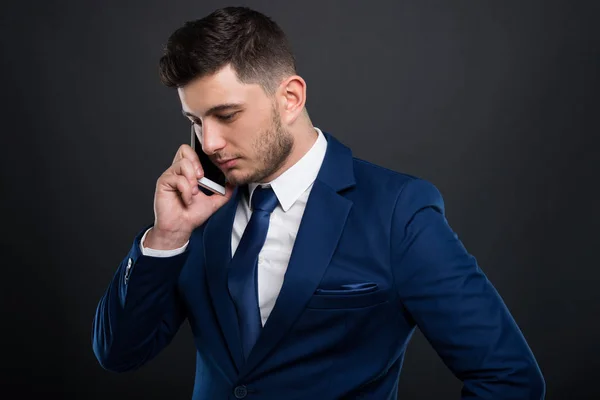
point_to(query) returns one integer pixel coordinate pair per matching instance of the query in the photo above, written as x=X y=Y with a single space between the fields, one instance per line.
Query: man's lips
x=227 y=163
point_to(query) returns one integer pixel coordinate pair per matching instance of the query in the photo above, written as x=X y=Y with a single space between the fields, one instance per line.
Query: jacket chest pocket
x=348 y=296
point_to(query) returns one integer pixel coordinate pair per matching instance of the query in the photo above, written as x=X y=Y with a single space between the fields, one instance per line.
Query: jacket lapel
x=217 y=253
x=322 y=224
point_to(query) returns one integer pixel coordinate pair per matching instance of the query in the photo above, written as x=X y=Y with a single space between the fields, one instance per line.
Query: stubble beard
x=273 y=147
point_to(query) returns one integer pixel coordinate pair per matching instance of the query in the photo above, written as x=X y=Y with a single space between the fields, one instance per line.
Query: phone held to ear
x=214 y=179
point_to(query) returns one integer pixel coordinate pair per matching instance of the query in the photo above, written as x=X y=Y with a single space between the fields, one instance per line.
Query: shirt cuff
x=160 y=253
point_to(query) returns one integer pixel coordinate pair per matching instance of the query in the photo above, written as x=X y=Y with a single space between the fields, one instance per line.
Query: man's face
x=249 y=130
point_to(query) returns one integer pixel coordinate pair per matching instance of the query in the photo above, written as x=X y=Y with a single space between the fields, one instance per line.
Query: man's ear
x=292 y=98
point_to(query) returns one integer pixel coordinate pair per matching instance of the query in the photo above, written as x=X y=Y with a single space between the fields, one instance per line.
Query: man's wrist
x=158 y=240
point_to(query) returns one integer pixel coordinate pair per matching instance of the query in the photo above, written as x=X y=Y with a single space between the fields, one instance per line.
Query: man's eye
x=227 y=117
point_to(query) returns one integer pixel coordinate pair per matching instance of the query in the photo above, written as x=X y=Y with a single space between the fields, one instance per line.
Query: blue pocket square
x=349 y=288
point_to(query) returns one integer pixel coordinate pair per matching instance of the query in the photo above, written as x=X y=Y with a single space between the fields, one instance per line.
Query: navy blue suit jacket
x=374 y=258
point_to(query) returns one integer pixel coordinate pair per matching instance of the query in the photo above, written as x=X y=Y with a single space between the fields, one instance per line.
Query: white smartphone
x=214 y=179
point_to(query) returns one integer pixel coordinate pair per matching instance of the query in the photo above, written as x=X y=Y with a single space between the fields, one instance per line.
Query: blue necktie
x=242 y=269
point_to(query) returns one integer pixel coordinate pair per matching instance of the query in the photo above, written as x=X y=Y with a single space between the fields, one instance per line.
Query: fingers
x=185 y=167
x=183 y=186
x=185 y=152
x=181 y=177
x=177 y=183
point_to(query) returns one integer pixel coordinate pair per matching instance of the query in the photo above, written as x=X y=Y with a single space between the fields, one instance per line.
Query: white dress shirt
x=292 y=189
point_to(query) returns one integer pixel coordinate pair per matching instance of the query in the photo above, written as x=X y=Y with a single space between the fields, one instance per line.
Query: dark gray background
x=496 y=103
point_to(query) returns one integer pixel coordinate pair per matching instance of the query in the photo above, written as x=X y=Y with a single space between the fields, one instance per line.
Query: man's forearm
x=139 y=312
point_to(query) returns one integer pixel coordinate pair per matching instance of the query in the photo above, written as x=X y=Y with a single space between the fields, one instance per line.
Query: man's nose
x=212 y=140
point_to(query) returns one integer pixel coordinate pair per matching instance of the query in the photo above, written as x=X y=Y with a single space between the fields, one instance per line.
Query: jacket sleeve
x=140 y=312
x=455 y=306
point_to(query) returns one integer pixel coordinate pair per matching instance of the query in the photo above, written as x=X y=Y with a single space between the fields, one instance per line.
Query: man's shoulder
x=396 y=186
x=369 y=172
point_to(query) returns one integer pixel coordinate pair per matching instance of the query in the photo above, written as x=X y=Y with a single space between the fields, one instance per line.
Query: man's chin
x=236 y=177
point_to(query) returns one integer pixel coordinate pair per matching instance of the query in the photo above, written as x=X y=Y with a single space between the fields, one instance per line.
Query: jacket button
x=128 y=270
x=240 y=392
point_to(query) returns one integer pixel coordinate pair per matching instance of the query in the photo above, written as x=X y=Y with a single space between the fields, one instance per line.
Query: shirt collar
x=290 y=185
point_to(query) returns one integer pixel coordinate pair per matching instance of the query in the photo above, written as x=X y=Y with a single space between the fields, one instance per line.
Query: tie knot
x=264 y=199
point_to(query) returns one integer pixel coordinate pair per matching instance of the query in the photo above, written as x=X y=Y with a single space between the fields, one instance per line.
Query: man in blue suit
x=308 y=277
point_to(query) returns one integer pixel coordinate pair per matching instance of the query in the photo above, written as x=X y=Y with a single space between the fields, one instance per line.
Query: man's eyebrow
x=215 y=109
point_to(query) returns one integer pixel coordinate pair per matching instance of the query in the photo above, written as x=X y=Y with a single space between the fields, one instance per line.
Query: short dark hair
x=254 y=45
